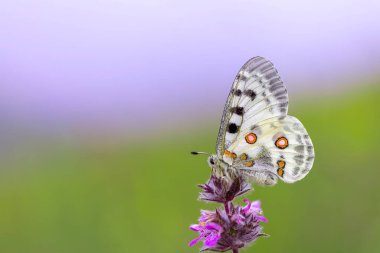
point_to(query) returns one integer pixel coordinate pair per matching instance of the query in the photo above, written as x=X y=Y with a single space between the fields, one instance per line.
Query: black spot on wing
x=237 y=110
x=250 y=93
x=232 y=128
x=237 y=92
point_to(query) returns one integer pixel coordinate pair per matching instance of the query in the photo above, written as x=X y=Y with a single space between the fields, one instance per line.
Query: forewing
x=282 y=147
x=257 y=94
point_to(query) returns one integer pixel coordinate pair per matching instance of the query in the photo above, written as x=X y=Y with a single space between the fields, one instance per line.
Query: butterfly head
x=212 y=161
x=218 y=166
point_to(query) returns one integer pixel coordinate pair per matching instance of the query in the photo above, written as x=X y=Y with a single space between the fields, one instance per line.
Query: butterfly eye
x=212 y=161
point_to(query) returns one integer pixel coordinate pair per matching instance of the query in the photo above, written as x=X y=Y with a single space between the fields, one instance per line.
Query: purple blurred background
x=132 y=65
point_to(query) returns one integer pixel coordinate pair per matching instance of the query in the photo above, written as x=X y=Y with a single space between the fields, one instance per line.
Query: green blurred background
x=140 y=196
x=101 y=103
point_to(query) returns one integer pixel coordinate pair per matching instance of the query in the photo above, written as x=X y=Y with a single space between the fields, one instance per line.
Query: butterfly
x=257 y=139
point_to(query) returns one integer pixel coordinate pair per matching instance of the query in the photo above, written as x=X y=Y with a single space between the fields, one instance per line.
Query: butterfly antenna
x=199 y=153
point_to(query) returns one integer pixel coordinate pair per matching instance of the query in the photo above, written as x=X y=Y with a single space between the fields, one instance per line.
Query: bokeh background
x=101 y=102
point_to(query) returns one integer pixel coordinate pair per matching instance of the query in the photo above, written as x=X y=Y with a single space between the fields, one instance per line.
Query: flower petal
x=247 y=207
x=206 y=216
x=212 y=239
x=262 y=218
x=196 y=227
x=239 y=219
x=195 y=240
x=256 y=204
x=213 y=226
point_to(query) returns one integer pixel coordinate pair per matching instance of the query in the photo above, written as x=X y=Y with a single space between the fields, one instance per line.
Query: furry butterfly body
x=257 y=139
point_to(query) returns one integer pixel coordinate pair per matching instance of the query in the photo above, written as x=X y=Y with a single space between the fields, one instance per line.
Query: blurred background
x=101 y=102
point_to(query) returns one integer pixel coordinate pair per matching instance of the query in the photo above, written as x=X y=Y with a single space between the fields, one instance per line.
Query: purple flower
x=208 y=232
x=207 y=216
x=222 y=231
x=232 y=227
x=218 y=189
x=255 y=209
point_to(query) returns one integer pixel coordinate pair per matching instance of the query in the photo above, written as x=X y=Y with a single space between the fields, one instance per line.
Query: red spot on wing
x=281 y=143
x=251 y=138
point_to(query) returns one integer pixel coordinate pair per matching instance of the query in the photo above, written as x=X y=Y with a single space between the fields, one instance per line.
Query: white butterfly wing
x=282 y=148
x=255 y=114
x=257 y=94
